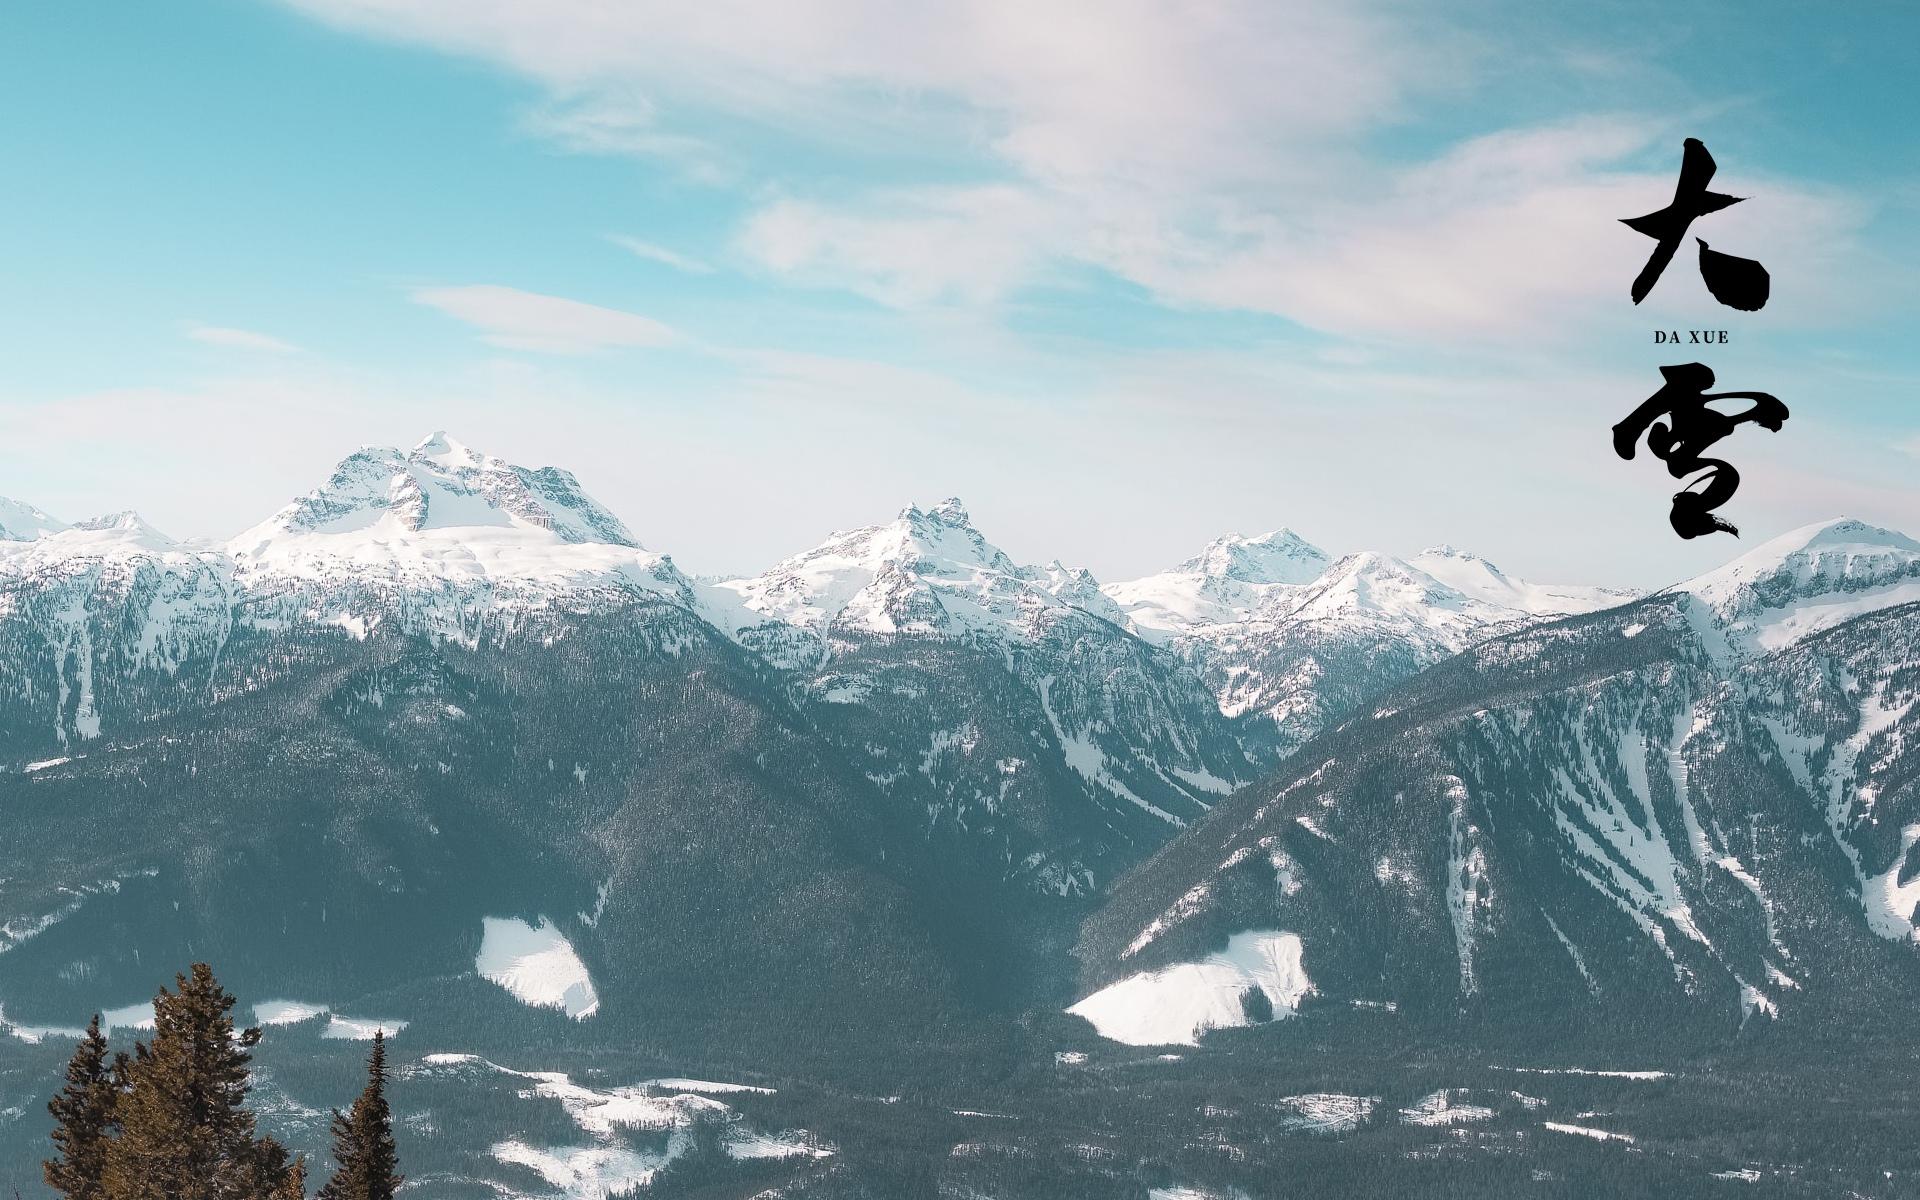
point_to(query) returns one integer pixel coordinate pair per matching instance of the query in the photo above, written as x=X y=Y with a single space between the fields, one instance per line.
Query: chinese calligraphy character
x=1740 y=283
x=1692 y=426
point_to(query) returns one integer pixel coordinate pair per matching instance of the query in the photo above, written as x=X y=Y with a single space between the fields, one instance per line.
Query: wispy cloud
x=623 y=121
x=240 y=339
x=517 y=320
x=914 y=247
x=660 y=254
x=1148 y=140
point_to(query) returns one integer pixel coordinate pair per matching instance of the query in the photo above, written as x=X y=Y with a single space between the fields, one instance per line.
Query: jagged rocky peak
x=931 y=538
x=21 y=522
x=926 y=570
x=444 y=484
x=1810 y=579
x=951 y=512
x=1281 y=556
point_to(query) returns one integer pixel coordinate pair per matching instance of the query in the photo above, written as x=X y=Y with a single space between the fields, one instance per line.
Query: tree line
x=170 y=1122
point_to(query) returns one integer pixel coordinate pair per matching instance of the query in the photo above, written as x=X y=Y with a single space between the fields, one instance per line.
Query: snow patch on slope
x=1176 y=1005
x=537 y=964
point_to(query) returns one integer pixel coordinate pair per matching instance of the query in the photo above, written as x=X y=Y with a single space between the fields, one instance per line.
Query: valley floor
x=1346 y=1107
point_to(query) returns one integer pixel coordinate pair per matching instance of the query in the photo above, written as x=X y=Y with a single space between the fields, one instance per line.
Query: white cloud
x=621 y=121
x=1215 y=155
x=1126 y=87
x=910 y=248
x=240 y=339
x=518 y=320
x=660 y=254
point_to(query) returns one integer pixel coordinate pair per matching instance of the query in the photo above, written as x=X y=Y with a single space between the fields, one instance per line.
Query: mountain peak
x=125 y=521
x=1281 y=556
x=120 y=531
x=447 y=451
x=21 y=522
x=1809 y=579
x=443 y=484
x=950 y=512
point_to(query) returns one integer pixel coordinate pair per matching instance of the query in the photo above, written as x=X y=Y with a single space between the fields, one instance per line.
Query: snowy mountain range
x=441 y=745
x=1701 y=802
x=446 y=540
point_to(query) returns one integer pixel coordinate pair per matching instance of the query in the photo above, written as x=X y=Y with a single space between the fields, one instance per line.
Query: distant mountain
x=23 y=522
x=1224 y=583
x=1698 y=805
x=1007 y=704
x=1285 y=635
x=440 y=745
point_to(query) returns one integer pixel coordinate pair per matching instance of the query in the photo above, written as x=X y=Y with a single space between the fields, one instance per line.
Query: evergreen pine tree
x=84 y=1116
x=368 y=1164
x=184 y=1131
x=273 y=1175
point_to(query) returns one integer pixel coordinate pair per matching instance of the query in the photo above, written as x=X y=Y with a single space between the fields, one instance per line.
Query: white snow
x=1221 y=585
x=286 y=1012
x=1809 y=580
x=1587 y=1131
x=360 y=1029
x=1890 y=903
x=33 y=1035
x=1443 y=1108
x=703 y=1085
x=1644 y=1076
x=609 y=1163
x=925 y=572
x=1478 y=579
x=1469 y=899
x=20 y=522
x=584 y=1172
x=1325 y=1112
x=537 y=964
x=1176 y=1005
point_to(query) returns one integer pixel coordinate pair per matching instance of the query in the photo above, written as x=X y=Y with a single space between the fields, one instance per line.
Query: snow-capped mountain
x=21 y=522
x=442 y=535
x=925 y=573
x=1609 y=810
x=1808 y=580
x=1284 y=635
x=856 y=809
x=100 y=616
x=1008 y=703
x=1222 y=584
x=114 y=617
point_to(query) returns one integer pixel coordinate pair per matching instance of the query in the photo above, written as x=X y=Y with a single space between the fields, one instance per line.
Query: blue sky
x=1123 y=281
